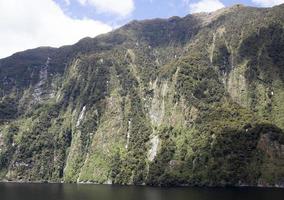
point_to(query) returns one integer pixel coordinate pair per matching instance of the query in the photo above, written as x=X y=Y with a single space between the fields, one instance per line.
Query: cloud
x=32 y=23
x=268 y=3
x=67 y=2
x=121 y=8
x=204 y=6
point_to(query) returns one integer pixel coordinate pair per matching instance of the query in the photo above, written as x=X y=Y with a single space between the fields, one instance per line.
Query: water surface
x=14 y=191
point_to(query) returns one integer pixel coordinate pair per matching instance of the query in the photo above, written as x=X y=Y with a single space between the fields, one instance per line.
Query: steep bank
x=181 y=101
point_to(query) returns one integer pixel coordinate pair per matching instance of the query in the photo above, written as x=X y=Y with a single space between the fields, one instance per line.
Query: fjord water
x=14 y=191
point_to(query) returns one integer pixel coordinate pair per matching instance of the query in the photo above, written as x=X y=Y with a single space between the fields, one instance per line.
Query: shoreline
x=129 y=185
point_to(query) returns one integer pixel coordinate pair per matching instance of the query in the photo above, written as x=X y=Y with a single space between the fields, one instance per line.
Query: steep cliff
x=197 y=100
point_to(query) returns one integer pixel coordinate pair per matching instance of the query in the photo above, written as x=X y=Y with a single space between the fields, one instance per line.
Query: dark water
x=12 y=191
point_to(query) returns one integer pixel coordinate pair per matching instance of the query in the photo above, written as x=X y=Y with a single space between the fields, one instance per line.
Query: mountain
x=197 y=100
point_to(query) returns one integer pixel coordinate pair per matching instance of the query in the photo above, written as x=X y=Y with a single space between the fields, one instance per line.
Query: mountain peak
x=209 y=17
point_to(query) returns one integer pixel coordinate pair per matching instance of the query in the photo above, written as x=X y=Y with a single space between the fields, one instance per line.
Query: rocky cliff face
x=197 y=100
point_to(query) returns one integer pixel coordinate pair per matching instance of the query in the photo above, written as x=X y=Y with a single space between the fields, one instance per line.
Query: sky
x=27 y=24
